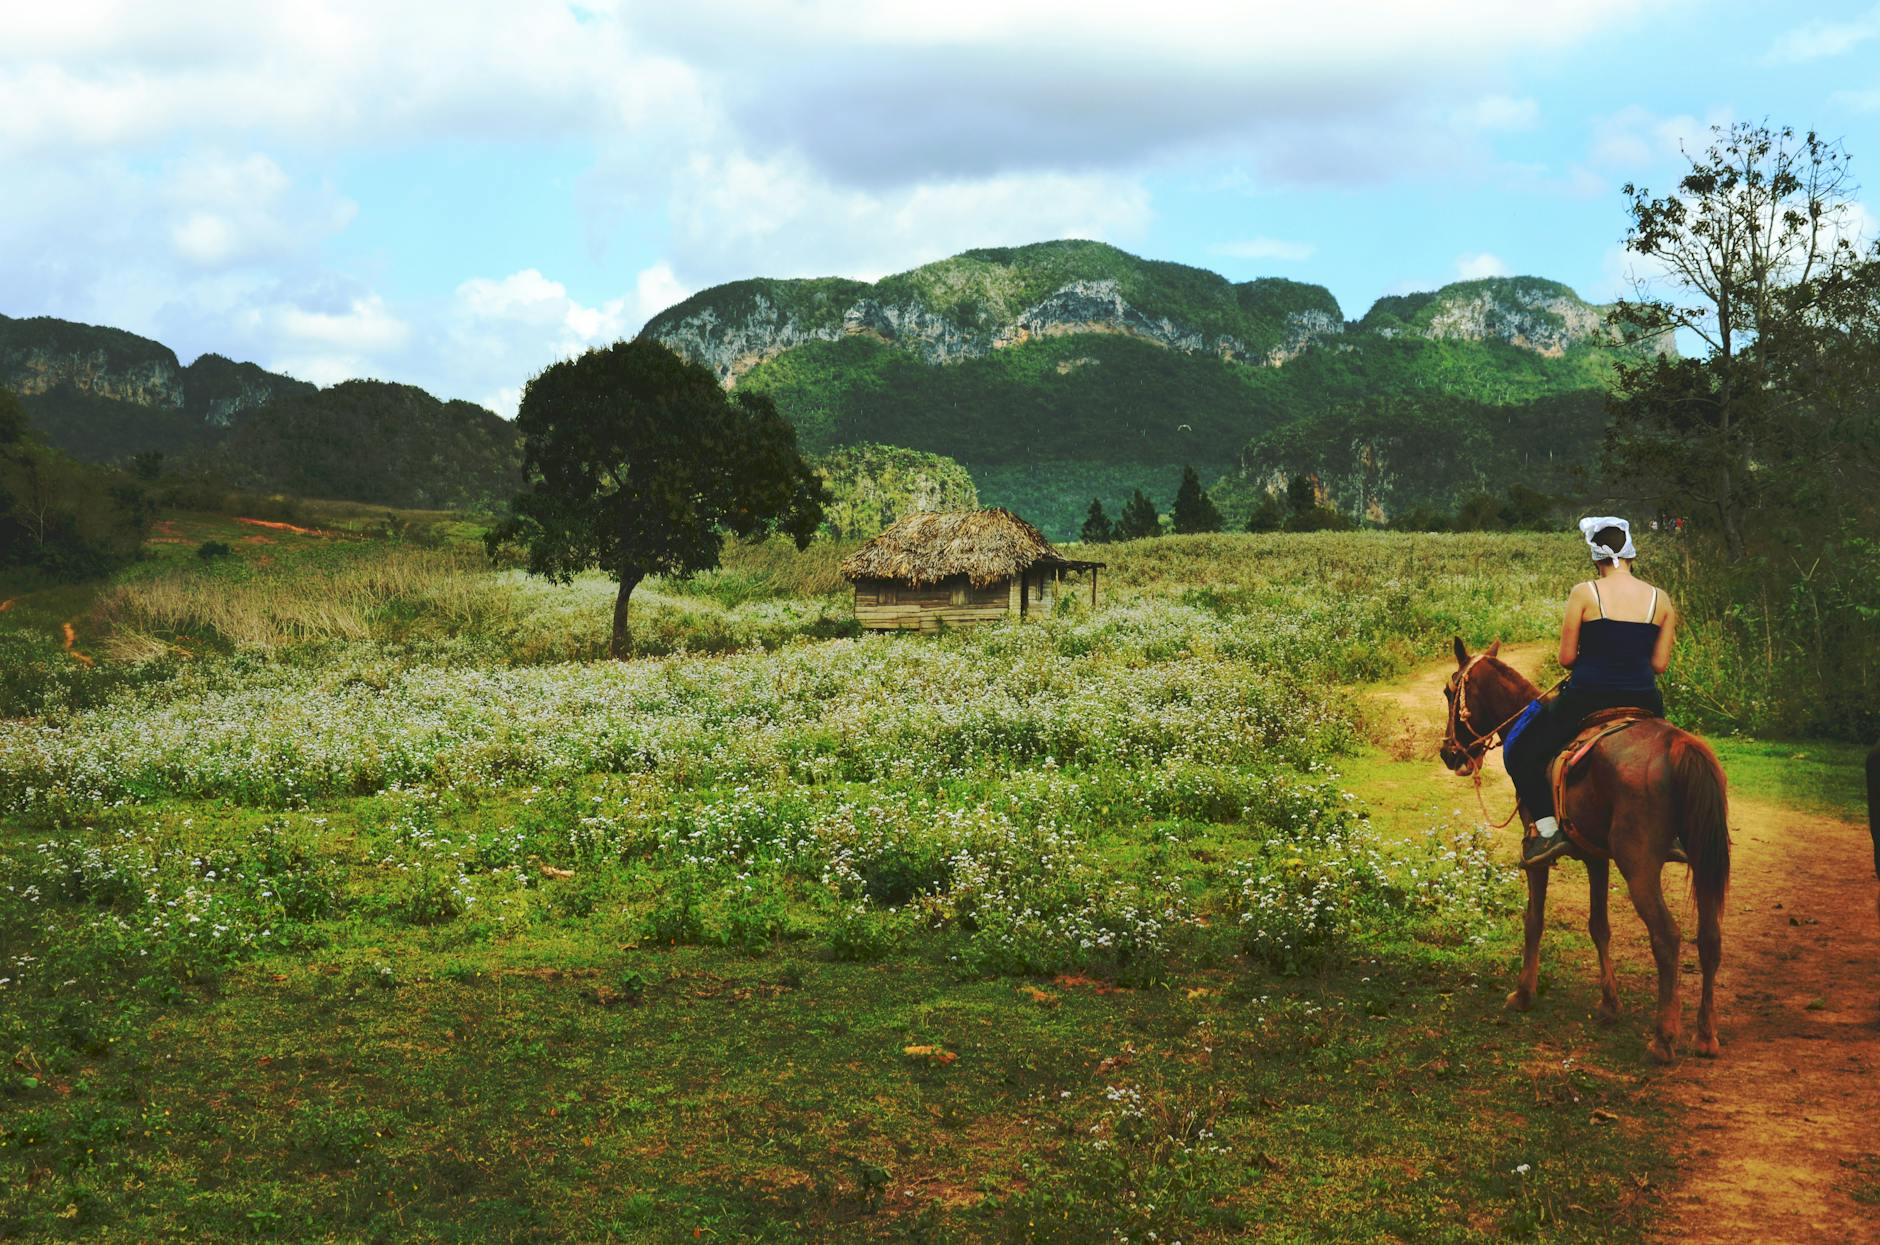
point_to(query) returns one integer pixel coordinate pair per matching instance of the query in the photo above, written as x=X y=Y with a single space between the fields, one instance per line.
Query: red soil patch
x=278 y=526
x=71 y=638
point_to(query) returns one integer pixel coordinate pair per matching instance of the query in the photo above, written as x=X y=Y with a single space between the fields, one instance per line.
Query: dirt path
x=1783 y=1132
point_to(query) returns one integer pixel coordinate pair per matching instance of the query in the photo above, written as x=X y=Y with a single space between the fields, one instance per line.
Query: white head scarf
x=1589 y=527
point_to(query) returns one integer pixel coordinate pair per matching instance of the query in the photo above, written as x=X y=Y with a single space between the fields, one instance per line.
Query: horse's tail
x=1703 y=806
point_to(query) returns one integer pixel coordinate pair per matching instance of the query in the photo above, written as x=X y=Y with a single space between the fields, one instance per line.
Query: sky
x=456 y=194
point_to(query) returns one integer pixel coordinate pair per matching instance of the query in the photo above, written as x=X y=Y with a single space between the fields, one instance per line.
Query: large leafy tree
x=1194 y=510
x=1739 y=256
x=638 y=463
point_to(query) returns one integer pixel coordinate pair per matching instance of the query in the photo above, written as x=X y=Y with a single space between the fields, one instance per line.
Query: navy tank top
x=1616 y=656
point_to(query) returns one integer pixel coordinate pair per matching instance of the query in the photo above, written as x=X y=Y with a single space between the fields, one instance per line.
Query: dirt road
x=1781 y=1136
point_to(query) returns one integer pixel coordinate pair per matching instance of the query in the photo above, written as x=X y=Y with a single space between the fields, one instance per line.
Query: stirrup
x=1538 y=850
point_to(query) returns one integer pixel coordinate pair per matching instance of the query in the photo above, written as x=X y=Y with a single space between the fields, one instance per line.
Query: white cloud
x=654 y=290
x=1500 y=112
x=1819 y=39
x=501 y=330
x=1858 y=101
x=125 y=74
x=366 y=326
x=740 y=216
x=1267 y=248
x=1472 y=267
x=1637 y=141
x=226 y=211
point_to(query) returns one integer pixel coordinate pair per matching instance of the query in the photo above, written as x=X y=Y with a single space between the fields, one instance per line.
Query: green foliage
x=369 y=441
x=1097 y=529
x=1504 y=296
x=748 y=900
x=639 y=465
x=1424 y=454
x=989 y=288
x=1266 y=515
x=817 y=304
x=67 y=519
x=1139 y=518
x=209 y=550
x=1755 y=246
x=1193 y=510
x=1055 y=495
x=870 y=486
x=1770 y=440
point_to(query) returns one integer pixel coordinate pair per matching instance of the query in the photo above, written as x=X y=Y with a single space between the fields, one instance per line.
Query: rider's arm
x=1667 y=635
x=1570 y=625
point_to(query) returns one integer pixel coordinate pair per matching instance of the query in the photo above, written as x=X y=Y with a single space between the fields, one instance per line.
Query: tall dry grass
x=452 y=605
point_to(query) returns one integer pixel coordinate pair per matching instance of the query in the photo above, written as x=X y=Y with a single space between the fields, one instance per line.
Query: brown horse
x=1639 y=792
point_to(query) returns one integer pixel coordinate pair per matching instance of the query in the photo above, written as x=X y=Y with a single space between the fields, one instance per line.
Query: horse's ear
x=1462 y=653
x=1494 y=648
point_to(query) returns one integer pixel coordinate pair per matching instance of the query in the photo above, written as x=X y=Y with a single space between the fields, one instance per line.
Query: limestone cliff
x=983 y=301
x=1529 y=313
x=52 y=361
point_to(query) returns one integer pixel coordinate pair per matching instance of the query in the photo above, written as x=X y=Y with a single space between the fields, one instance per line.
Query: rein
x=1487 y=741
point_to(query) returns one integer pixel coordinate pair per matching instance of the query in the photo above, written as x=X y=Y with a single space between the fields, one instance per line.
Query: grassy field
x=346 y=897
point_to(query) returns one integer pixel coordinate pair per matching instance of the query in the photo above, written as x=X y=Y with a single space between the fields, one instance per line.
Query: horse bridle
x=1481 y=742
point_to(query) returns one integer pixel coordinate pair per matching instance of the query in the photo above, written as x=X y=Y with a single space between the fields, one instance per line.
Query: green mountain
x=105 y=395
x=371 y=441
x=1065 y=370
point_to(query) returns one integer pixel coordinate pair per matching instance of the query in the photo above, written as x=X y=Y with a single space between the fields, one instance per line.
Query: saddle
x=1594 y=728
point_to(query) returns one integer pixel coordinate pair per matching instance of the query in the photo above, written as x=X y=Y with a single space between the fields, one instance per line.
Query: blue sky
x=455 y=195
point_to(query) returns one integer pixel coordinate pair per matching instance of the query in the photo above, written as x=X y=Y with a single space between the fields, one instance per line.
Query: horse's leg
x=1523 y=996
x=1648 y=897
x=1709 y=955
x=1598 y=873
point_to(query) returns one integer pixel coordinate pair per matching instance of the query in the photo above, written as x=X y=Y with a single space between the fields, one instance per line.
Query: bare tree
x=1737 y=253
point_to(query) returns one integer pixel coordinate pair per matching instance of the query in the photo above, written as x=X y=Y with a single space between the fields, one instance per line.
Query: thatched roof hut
x=957 y=568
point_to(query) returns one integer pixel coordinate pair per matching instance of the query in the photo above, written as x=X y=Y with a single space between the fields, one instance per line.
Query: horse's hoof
x=1662 y=1052
x=1520 y=1001
x=1708 y=1047
x=1609 y=1013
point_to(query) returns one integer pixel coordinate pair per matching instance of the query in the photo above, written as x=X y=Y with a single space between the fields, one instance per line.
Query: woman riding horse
x=1616 y=639
x=1643 y=794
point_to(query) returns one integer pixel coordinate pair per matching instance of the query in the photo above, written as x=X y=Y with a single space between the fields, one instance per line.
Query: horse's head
x=1482 y=693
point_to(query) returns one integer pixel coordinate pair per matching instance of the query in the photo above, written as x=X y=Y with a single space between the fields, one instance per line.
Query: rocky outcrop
x=217 y=388
x=43 y=354
x=1303 y=328
x=1527 y=313
x=731 y=345
x=43 y=357
x=1532 y=318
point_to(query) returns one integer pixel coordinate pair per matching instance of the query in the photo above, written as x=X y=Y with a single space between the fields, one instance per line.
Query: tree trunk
x=621 y=646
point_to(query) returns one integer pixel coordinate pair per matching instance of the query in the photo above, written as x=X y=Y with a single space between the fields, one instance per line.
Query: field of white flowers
x=389 y=827
x=1106 y=791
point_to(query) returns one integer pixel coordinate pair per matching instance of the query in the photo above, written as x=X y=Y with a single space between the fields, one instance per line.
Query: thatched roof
x=983 y=545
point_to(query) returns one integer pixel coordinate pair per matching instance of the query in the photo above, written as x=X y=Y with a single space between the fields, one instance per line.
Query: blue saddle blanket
x=1517 y=726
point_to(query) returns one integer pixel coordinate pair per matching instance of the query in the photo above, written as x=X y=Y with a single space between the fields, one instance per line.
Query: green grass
x=1817 y=776
x=1062 y=932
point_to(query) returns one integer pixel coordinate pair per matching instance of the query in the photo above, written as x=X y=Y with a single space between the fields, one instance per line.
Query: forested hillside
x=1064 y=371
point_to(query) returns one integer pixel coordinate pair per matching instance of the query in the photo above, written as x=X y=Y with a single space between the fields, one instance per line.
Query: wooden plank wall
x=882 y=605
